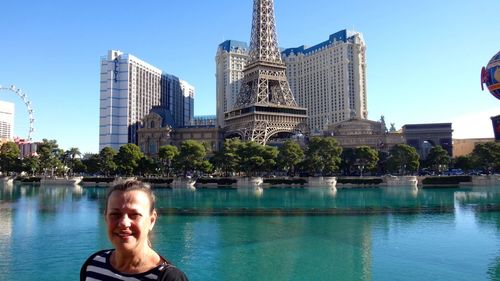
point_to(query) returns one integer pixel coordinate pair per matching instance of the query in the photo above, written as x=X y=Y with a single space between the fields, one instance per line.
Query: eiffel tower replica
x=265 y=105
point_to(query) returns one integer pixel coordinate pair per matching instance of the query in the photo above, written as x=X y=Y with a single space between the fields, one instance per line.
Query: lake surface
x=396 y=233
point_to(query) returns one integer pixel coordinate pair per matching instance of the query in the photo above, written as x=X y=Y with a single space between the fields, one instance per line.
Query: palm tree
x=69 y=157
x=73 y=152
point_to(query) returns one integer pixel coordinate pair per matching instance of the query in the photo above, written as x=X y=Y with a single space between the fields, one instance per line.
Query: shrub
x=447 y=180
x=157 y=180
x=359 y=181
x=98 y=180
x=218 y=181
x=30 y=179
x=285 y=181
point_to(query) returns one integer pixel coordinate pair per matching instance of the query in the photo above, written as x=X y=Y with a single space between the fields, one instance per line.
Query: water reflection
x=325 y=200
x=403 y=192
x=5 y=237
x=253 y=191
x=270 y=247
x=326 y=192
x=487 y=220
x=298 y=234
x=394 y=199
x=6 y=191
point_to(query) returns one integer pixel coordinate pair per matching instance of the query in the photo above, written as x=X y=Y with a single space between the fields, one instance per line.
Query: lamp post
x=361 y=166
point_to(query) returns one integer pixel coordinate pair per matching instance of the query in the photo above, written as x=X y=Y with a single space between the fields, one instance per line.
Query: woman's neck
x=136 y=261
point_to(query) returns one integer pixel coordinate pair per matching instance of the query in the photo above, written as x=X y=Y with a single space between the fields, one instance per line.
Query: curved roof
x=165 y=114
x=356 y=127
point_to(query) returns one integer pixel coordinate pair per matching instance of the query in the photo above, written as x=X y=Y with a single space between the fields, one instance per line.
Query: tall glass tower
x=130 y=88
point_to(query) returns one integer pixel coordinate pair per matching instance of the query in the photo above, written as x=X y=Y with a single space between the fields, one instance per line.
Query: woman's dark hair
x=131 y=185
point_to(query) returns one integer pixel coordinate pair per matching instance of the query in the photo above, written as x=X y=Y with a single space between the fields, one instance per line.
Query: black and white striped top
x=98 y=268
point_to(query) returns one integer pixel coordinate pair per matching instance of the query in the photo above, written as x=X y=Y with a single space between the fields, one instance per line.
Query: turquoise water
x=273 y=234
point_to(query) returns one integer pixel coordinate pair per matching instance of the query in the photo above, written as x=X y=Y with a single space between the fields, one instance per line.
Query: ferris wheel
x=24 y=97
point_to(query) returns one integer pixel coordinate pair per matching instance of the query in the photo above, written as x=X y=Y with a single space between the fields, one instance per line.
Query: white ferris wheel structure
x=27 y=103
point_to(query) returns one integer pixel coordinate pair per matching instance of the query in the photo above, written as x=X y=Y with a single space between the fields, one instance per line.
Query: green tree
x=463 y=162
x=77 y=166
x=69 y=158
x=50 y=156
x=206 y=167
x=191 y=157
x=270 y=155
x=217 y=162
x=9 y=157
x=106 y=161
x=227 y=159
x=73 y=152
x=382 y=162
x=290 y=154
x=128 y=158
x=323 y=155
x=365 y=158
x=359 y=159
x=167 y=154
x=255 y=158
x=147 y=166
x=31 y=164
x=438 y=159
x=91 y=162
x=403 y=158
x=487 y=156
x=347 y=161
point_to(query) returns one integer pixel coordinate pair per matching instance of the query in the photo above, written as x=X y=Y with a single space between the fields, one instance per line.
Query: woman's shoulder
x=172 y=273
x=99 y=255
x=96 y=259
x=165 y=272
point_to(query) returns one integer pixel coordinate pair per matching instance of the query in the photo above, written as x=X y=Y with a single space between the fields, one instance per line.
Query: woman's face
x=129 y=219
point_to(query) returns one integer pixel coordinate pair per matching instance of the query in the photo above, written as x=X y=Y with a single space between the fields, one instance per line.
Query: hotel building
x=130 y=87
x=329 y=79
x=6 y=120
x=230 y=60
x=187 y=94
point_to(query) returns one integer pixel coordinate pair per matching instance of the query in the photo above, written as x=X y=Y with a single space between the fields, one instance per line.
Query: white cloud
x=474 y=124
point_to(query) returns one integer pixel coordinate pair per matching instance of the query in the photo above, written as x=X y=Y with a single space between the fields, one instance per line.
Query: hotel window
x=152 y=147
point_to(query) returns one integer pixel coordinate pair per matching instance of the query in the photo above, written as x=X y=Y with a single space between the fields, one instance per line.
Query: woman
x=130 y=216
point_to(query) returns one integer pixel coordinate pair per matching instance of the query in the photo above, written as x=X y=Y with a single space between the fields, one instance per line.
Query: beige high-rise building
x=329 y=79
x=230 y=60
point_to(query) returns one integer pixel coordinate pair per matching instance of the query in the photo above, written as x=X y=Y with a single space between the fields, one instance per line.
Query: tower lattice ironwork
x=265 y=104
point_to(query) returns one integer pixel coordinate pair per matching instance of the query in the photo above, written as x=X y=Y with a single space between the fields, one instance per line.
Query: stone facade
x=463 y=147
x=209 y=135
x=358 y=132
x=424 y=136
x=156 y=132
x=153 y=134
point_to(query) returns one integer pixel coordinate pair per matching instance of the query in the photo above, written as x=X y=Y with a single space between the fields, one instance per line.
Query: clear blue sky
x=424 y=57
